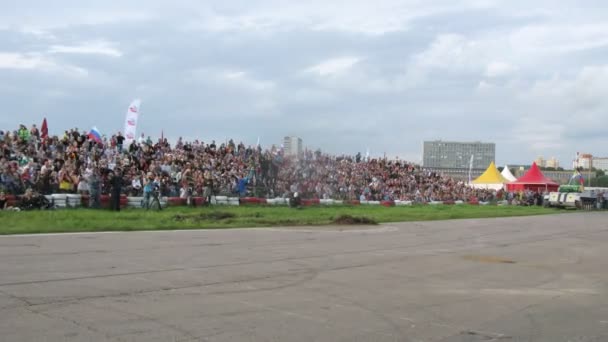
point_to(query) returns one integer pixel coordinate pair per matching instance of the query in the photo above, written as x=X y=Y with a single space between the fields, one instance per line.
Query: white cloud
x=562 y=114
x=89 y=48
x=333 y=66
x=243 y=80
x=483 y=66
x=451 y=52
x=545 y=39
x=498 y=69
x=369 y=18
x=230 y=79
x=38 y=62
x=500 y=53
x=10 y=60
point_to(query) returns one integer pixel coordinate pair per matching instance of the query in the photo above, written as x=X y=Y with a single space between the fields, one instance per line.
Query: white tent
x=506 y=172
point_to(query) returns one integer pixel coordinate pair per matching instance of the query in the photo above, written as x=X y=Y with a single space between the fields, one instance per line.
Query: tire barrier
x=135 y=202
x=403 y=203
x=219 y=200
x=251 y=200
x=176 y=201
x=387 y=203
x=61 y=201
x=198 y=201
x=277 y=201
x=311 y=202
x=73 y=201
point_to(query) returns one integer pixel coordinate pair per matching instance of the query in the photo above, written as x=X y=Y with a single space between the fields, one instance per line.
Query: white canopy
x=506 y=172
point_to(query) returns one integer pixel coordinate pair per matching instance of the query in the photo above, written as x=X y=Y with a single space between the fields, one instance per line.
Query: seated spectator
x=31 y=200
x=3 y=201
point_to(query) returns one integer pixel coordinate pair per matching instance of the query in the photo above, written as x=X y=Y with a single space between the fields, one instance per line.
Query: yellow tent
x=490 y=179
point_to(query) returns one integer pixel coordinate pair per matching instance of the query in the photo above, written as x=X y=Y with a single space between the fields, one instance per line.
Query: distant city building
x=293 y=146
x=540 y=161
x=553 y=162
x=584 y=160
x=457 y=155
x=600 y=163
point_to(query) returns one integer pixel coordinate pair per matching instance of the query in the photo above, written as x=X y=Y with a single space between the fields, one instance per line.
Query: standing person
x=148 y=188
x=119 y=142
x=95 y=189
x=207 y=186
x=188 y=184
x=116 y=184
x=65 y=181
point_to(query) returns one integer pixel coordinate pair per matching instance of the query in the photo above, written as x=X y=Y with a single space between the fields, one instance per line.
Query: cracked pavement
x=511 y=279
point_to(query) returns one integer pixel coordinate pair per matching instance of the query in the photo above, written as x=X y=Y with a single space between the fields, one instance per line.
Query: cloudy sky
x=343 y=75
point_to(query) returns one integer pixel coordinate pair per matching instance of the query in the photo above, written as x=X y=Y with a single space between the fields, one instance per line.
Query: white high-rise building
x=600 y=163
x=553 y=162
x=540 y=161
x=583 y=160
x=293 y=146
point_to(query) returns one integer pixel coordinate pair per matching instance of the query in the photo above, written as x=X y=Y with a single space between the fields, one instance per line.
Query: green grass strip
x=86 y=220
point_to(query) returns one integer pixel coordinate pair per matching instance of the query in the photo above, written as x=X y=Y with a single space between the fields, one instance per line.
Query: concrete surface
x=513 y=279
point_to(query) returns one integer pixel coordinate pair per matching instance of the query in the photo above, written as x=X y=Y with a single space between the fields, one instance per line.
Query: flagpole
x=470 y=167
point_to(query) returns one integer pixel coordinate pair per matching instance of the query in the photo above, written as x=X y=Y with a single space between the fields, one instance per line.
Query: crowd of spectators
x=73 y=162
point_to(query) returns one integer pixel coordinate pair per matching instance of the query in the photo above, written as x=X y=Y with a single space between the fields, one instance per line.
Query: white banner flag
x=131 y=121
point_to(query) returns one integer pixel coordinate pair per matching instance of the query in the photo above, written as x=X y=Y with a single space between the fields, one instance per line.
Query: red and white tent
x=533 y=180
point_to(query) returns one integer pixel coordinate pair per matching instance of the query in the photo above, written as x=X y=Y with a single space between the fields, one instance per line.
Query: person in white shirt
x=136 y=185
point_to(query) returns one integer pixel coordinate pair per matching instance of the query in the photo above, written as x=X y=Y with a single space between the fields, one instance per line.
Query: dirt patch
x=213 y=216
x=488 y=259
x=352 y=220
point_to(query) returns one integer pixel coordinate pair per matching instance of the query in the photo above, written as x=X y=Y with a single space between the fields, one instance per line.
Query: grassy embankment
x=85 y=220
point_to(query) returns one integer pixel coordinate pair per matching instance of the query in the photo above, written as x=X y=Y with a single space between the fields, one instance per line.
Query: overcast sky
x=343 y=75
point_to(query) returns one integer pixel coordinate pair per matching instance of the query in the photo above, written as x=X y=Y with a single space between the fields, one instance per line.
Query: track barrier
x=61 y=201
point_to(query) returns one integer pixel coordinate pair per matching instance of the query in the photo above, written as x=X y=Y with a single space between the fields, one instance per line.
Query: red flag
x=44 y=130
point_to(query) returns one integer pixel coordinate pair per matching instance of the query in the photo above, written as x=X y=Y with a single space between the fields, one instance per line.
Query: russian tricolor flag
x=95 y=135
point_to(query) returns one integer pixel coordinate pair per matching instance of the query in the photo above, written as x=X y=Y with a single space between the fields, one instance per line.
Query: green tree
x=600 y=181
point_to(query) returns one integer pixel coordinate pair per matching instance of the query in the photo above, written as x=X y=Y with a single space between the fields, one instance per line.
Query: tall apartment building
x=540 y=161
x=293 y=146
x=553 y=162
x=584 y=160
x=600 y=163
x=457 y=155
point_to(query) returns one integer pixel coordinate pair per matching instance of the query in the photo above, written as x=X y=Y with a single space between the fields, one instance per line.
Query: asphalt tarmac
x=512 y=279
